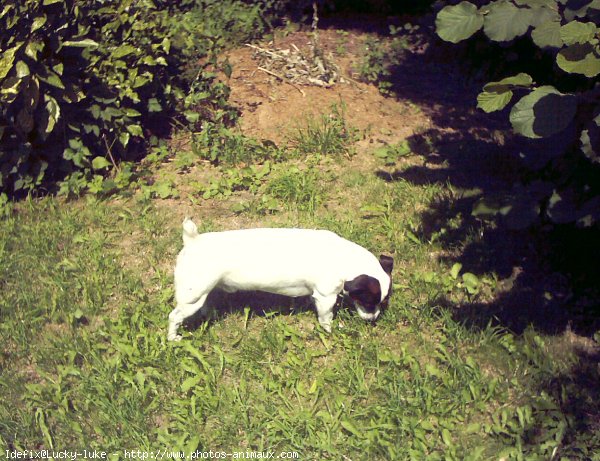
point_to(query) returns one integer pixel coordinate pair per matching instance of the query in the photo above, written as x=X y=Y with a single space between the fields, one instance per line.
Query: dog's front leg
x=180 y=313
x=325 y=306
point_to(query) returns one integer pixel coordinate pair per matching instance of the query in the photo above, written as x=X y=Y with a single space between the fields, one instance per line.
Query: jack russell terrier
x=290 y=262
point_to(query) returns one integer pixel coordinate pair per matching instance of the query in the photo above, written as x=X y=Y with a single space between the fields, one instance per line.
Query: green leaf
x=471 y=282
x=504 y=21
x=190 y=382
x=547 y=35
x=51 y=2
x=33 y=48
x=351 y=427
x=99 y=163
x=53 y=111
x=455 y=23
x=543 y=112
x=123 y=51
x=124 y=138
x=541 y=15
x=520 y=80
x=455 y=270
x=85 y=43
x=6 y=60
x=135 y=130
x=492 y=101
x=54 y=80
x=38 y=22
x=577 y=32
x=579 y=59
x=22 y=69
x=154 y=105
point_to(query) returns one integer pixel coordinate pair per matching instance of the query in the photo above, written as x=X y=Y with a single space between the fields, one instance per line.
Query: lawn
x=86 y=288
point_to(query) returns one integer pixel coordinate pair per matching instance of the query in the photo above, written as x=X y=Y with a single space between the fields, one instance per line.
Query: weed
x=298 y=189
x=328 y=134
x=390 y=154
x=248 y=178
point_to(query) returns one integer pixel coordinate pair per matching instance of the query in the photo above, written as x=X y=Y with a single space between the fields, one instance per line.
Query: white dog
x=291 y=262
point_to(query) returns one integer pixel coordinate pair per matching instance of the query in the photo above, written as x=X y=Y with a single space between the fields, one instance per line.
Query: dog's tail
x=190 y=231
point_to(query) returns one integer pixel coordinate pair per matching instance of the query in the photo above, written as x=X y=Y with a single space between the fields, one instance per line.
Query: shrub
x=568 y=191
x=87 y=84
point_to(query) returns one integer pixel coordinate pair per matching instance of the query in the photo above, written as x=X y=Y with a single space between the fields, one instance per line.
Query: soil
x=271 y=108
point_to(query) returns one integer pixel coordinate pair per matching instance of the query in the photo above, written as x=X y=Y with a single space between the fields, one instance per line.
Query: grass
x=327 y=134
x=86 y=288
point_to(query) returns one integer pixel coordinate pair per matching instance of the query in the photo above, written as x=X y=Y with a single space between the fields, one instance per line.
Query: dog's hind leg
x=182 y=312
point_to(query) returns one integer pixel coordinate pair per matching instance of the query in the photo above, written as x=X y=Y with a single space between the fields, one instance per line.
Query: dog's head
x=367 y=292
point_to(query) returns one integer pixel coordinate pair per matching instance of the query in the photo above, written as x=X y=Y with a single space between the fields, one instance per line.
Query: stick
x=283 y=79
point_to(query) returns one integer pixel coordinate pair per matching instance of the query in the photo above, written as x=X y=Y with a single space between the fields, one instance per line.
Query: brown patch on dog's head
x=365 y=290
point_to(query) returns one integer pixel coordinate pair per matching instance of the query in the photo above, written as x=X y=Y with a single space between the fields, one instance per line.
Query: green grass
x=327 y=134
x=86 y=290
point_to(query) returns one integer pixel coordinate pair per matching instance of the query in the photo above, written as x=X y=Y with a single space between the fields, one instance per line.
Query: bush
x=87 y=84
x=558 y=107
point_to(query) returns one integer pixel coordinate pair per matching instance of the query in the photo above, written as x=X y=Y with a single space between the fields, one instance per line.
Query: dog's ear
x=364 y=289
x=387 y=262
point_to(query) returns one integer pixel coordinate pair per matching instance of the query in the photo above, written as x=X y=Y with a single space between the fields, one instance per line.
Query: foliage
x=569 y=32
x=85 y=85
x=248 y=178
x=78 y=80
x=382 y=56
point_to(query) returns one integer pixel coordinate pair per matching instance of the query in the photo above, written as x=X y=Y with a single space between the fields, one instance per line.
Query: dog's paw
x=326 y=327
x=174 y=338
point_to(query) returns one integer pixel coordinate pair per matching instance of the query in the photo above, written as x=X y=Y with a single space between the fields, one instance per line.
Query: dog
x=290 y=262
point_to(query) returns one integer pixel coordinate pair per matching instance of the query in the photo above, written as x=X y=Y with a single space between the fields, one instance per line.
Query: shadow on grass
x=548 y=276
x=221 y=304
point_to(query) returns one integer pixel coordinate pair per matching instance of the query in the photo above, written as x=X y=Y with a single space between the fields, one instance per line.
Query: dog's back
x=261 y=256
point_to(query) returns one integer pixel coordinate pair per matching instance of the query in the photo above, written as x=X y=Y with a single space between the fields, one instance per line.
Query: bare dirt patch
x=271 y=108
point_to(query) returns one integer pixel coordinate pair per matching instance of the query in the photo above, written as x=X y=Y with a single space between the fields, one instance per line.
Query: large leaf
x=542 y=15
x=577 y=32
x=504 y=21
x=547 y=35
x=543 y=112
x=580 y=8
x=455 y=23
x=579 y=59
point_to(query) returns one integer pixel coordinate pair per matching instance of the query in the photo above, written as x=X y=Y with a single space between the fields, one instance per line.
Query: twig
x=282 y=78
x=108 y=149
x=262 y=50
